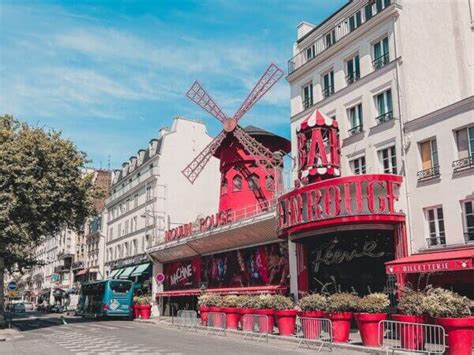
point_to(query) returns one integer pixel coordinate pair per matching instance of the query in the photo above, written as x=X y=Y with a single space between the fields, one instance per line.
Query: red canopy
x=225 y=291
x=452 y=260
x=82 y=272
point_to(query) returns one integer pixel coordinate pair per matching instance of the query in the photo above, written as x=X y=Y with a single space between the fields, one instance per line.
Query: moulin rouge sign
x=201 y=225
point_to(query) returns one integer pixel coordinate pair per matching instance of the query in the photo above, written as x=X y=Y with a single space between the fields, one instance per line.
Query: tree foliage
x=43 y=188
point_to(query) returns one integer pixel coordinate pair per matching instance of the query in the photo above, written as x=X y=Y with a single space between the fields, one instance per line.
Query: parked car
x=18 y=308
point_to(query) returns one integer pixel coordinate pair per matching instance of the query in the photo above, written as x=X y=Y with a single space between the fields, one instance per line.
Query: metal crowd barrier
x=412 y=337
x=314 y=331
x=256 y=325
x=187 y=320
x=216 y=322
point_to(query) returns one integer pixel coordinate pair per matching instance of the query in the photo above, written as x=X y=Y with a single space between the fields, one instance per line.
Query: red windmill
x=250 y=153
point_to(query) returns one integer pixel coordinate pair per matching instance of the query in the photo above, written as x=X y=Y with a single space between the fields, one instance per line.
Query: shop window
x=253 y=182
x=388 y=159
x=468 y=212
x=429 y=160
x=435 y=225
x=270 y=183
x=358 y=166
x=223 y=186
x=237 y=183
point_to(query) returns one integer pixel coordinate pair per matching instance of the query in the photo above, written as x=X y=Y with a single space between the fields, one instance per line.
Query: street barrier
x=256 y=326
x=216 y=322
x=314 y=331
x=187 y=320
x=411 y=337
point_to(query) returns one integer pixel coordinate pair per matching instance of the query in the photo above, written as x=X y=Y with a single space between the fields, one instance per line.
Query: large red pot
x=204 y=312
x=341 y=326
x=145 y=311
x=311 y=327
x=232 y=315
x=265 y=324
x=411 y=336
x=247 y=322
x=459 y=331
x=286 y=320
x=136 y=311
x=368 y=324
x=217 y=319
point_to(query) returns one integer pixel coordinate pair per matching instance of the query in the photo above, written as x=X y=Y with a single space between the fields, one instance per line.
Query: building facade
x=403 y=101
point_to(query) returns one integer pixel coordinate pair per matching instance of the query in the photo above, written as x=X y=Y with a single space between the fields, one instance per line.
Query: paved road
x=123 y=337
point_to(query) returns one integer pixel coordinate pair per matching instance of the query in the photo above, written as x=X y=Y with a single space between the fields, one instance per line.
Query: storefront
x=137 y=269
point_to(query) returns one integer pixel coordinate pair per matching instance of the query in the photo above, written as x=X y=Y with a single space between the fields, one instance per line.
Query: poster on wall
x=182 y=274
x=257 y=266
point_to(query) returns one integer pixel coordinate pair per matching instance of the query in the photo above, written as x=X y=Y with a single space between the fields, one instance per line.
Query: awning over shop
x=82 y=272
x=254 y=290
x=126 y=273
x=452 y=260
x=140 y=269
x=115 y=273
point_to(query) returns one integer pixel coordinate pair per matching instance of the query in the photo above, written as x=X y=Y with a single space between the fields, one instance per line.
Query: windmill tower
x=251 y=159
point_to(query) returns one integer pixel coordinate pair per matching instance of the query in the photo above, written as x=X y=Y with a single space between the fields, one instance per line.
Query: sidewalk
x=353 y=345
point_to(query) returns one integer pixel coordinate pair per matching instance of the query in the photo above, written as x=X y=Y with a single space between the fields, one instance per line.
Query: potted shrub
x=230 y=306
x=205 y=301
x=247 y=305
x=285 y=313
x=451 y=311
x=145 y=307
x=264 y=307
x=136 y=307
x=340 y=308
x=214 y=305
x=411 y=307
x=312 y=306
x=371 y=310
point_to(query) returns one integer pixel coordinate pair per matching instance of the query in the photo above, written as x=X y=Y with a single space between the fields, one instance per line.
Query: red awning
x=82 y=272
x=225 y=291
x=452 y=260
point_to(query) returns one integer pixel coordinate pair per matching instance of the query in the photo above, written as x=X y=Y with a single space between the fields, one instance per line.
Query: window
x=383 y=102
x=465 y=145
x=126 y=227
x=307 y=96
x=429 y=160
x=468 y=211
x=237 y=183
x=435 y=221
x=120 y=286
x=330 y=38
x=135 y=246
x=270 y=183
x=111 y=233
x=120 y=231
x=310 y=52
x=127 y=205
x=135 y=223
x=253 y=183
x=135 y=201
x=353 y=69
x=355 y=21
x=381 y=54
x=388 y=159
x=149 y=193
x=223 y=186
x=358 y=166
x=328 y=84
x=355 y=119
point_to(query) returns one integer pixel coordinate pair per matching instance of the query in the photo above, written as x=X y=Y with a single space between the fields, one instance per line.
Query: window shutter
x=426 y=155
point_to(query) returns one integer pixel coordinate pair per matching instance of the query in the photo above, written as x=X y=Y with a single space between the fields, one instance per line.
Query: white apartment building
x=149 y=194
x=395 y=79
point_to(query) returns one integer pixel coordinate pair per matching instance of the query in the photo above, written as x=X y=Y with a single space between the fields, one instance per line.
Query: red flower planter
x=311 y=328
x=368 y=324
x=411 y=336
x=247 y=323
x=136 y=311
x=218 y=321
x=460 y=332
x=286 y=320
x=232 y=315
x=341 y=326
x=265 y=325
x=145 y=311
x=204 y=312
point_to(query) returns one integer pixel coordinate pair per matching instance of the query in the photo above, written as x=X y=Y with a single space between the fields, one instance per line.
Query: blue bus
x=106 y=298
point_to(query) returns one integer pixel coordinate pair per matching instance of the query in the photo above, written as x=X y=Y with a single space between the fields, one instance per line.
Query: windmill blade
x=268 y=79
x=192 y=171
x=263 y=156
x=199 y=95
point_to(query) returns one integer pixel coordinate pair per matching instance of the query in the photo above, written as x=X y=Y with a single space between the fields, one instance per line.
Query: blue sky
x=109 y=74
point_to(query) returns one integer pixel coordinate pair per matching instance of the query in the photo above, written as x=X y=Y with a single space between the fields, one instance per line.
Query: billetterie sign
x=201 y=225
x=371 y=194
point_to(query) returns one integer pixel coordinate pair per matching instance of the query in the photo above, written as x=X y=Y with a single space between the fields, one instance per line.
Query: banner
x=182 y=274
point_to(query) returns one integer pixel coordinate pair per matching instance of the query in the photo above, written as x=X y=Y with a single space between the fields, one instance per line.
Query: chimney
x=303 y=28
x=152 y=146
x=133 y=162
x=141 y=156
x=124 y=168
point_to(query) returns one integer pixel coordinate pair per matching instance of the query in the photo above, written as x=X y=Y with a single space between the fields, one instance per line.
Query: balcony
x=119 y=191
x=336 y=33
x=381 y=61
x=469 y=235
x=328 y=91
x=436 y=240
x=464 y=163
x=428 y=173
x=62 y=268
x=78 y=265
x=384 y=117
x=352 y=78
x=307 y=103
x=356 y=130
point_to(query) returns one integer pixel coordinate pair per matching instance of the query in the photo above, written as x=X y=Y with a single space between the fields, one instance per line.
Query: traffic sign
x=160 y=277
x=12 y=285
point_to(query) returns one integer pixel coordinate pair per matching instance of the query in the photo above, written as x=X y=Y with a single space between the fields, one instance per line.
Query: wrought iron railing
x=436 y=240
x=352 y=78
x=340 y=30
x=307 y=103
x=356 y=129
x=469 y=235
x=428 y=173
x=379 y=62
x=463 y=163
x=384 y=117
x=328 y=91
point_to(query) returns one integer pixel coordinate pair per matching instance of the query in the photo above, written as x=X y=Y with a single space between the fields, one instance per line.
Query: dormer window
x=141 y=156
x=237 y=183
x=253 y=182
x=223 y=186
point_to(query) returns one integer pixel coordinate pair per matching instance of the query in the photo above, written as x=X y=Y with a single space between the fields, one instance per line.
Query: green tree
x=42 y=190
